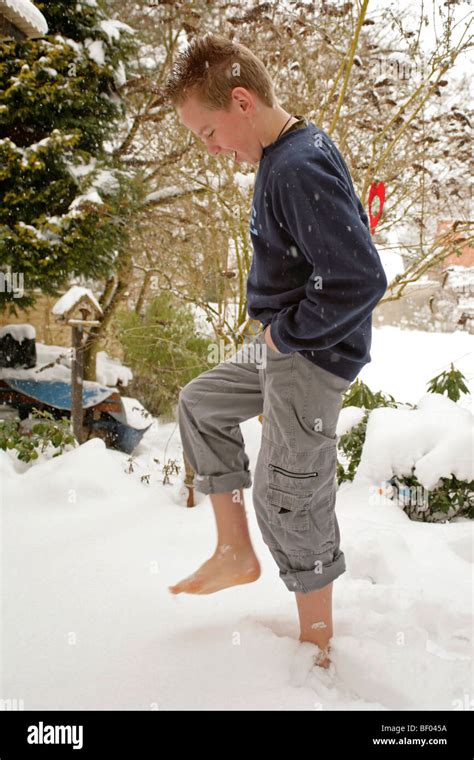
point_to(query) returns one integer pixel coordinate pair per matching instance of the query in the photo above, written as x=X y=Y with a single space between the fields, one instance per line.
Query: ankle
x=227 y=549
x=323 y=646
x=322 y=655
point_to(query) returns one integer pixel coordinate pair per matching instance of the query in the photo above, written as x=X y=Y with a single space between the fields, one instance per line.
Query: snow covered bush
x=419 y=455
x=47 y=435
x=351 y=442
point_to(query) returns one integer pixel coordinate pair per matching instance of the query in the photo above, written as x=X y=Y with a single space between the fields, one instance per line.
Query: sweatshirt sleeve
x=314 y=203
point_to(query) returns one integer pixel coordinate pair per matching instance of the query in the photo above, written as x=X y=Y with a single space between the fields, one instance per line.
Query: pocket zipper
x=292 y=474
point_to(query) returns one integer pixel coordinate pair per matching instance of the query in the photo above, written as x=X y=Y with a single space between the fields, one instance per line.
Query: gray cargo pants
x=294 y=490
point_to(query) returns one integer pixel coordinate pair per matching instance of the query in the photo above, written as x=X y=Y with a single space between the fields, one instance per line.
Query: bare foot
x=228 y=566
x=325 y=663
x=321 y=657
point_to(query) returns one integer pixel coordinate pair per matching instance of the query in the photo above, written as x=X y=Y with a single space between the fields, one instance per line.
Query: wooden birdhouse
x=78 y=306
x=80 y=309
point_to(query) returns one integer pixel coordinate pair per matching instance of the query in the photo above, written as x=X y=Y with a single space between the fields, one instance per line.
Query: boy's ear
x=241 y=95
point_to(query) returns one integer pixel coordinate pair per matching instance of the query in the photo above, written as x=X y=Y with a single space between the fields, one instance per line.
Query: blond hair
x=210 y=67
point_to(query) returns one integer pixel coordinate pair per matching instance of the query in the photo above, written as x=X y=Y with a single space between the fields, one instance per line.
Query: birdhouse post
x=77 y=378
x=80 y=309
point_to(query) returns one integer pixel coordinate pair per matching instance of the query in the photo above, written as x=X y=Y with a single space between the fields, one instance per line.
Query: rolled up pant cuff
x=305 y=581
x=229 y=481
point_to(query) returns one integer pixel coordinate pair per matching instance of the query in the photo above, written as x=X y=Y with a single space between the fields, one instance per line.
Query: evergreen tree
x=60 y=189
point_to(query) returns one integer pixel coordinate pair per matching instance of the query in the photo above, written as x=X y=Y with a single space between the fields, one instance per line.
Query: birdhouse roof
x=73 y=298
x=25 y=16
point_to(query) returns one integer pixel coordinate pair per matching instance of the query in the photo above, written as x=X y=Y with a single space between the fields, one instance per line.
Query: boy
x=314 y=281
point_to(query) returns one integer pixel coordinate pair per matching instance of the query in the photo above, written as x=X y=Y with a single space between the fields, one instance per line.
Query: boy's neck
x=277 y=125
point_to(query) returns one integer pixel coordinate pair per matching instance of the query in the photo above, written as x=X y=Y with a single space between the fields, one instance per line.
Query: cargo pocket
x=289 y=496
x=301 y=491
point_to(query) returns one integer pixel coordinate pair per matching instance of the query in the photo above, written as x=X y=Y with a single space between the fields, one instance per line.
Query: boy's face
x=230 y=132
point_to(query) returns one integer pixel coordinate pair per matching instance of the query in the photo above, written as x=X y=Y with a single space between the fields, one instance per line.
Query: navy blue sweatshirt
x=316 y=275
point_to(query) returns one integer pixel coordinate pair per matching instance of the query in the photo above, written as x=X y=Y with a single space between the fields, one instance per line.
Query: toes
x=188 y=585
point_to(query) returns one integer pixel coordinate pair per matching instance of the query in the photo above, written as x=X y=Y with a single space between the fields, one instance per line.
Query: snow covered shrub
x=351 y=443
x=429 y=440
x=49 y=433
x=454 y=498
x=163 y=350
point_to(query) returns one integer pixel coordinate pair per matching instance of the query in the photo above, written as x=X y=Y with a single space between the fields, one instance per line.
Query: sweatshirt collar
x=300 y=124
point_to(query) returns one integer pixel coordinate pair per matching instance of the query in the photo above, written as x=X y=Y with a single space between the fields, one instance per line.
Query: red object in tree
x=376 y=191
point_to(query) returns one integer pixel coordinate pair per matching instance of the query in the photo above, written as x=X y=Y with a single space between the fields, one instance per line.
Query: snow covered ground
x=89 y=550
